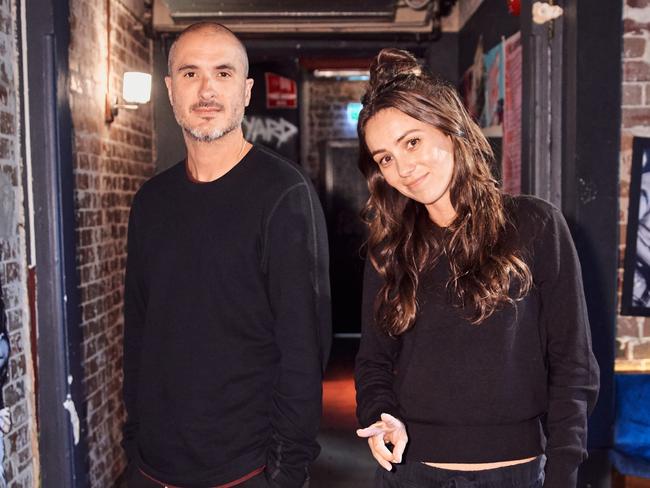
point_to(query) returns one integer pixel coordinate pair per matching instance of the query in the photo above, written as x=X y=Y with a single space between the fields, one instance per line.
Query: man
x=227 y=319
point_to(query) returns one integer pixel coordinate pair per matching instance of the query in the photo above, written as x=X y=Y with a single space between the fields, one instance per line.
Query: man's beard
x=210 y=135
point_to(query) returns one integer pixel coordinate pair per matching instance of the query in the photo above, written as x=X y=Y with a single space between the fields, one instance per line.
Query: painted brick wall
x=327 y=117
x=633 y=333
x=21 y=462
x=111 y=162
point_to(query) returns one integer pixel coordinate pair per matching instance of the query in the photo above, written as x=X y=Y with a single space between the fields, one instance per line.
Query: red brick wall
x=111 y=162
x=327 y=116
x=21 y=461
x=633 y=334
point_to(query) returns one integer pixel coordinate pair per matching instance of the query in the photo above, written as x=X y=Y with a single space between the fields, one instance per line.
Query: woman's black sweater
x=519 y=384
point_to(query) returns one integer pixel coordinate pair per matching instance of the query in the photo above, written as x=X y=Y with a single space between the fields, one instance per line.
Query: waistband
x=231 y=484
x=524 y=474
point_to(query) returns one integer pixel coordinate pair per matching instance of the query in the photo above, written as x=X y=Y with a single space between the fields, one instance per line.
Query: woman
x=475 y=331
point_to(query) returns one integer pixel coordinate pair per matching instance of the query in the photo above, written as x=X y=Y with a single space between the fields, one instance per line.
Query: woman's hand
x=387 y=430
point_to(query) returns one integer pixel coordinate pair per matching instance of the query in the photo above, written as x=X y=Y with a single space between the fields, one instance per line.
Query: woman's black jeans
x=419 y=475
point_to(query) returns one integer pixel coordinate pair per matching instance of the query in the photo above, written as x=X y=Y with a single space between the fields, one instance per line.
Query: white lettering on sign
x=276 y=131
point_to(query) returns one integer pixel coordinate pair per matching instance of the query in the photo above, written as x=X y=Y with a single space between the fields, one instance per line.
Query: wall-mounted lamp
x=136 y=87
x=136 y=90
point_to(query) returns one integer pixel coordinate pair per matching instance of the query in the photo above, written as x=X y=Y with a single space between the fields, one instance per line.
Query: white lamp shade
x=136 y=87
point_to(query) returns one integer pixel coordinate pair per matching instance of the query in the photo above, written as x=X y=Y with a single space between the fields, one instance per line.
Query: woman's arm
x=377 y=406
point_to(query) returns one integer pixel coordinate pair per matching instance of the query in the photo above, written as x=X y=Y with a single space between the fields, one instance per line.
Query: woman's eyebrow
x=397 y=141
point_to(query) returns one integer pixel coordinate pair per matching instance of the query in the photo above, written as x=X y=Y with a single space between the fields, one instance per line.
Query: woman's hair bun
x=391 y=63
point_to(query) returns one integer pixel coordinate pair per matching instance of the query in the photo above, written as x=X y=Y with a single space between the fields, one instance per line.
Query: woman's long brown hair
x=401 y=243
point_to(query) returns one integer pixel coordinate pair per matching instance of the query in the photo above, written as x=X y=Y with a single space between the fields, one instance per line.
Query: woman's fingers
x=377 y=448
x=389 y=429
x=391 y=422
x=380 y=446
x=373 y=430
x=398 y=450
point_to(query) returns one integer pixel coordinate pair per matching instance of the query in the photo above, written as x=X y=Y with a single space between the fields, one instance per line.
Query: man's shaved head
x=209 y=27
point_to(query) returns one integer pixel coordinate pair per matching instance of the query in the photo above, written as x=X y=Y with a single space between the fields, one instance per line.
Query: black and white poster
x=636 y=277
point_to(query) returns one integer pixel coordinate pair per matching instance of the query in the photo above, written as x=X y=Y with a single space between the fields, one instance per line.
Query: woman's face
x=415 y=158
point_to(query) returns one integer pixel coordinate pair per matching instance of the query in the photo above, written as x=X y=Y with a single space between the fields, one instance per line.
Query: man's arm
x=296 y=261
x=134 y=315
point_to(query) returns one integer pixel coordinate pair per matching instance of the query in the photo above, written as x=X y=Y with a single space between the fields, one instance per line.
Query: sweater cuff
x=558 y=476
x=295 y=478
x=374 y=415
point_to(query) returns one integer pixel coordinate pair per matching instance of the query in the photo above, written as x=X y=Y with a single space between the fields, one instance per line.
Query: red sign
x=514 y=7
x=281 y=92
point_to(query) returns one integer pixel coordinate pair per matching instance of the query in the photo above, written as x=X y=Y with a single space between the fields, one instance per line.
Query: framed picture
x=636 y=273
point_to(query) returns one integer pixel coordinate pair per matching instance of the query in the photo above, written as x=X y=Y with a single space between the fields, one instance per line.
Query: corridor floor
x=345 y=461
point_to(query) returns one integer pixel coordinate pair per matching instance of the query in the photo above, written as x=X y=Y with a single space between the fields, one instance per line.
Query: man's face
x=207 y=86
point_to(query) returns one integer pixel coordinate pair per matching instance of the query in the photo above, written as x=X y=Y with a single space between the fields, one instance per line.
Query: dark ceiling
x=297 y=10
x=305 y=16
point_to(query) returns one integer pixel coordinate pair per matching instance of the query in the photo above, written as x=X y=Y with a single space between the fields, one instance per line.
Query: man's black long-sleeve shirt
x=227 y=324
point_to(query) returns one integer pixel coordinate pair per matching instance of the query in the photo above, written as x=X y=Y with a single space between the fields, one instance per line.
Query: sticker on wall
x=5 y=414
x=281 y=92
x=7 y=207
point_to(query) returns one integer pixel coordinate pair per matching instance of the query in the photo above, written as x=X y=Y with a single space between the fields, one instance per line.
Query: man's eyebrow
x=229 y=66
x=184 y=67
x=226 y=66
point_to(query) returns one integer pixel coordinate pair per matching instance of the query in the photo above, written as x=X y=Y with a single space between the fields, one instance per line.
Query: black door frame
x=570 y=155
x=62 y=437
x=591 y=154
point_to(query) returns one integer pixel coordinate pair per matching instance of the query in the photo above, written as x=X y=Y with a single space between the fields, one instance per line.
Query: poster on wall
x=511 y=148
x=281 y=92
x=636 y=273
x=494 y=87
x=472 y=88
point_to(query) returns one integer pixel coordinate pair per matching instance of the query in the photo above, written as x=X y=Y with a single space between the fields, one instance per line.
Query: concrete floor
x=345 y=461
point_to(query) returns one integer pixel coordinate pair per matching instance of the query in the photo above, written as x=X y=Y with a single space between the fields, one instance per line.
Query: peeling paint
x=587 y=191
x=7 y=207
x=68 y=404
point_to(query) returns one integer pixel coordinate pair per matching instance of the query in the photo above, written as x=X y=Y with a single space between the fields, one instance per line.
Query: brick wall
x=633 y=333
x=21 y=461
x=111 y=162
x=327 y=117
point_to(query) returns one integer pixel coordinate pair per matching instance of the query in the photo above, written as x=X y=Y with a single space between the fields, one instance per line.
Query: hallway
x=345 y=461
x=565 y=104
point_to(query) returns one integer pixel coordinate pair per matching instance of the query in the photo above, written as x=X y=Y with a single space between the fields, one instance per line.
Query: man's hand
x=387 y=430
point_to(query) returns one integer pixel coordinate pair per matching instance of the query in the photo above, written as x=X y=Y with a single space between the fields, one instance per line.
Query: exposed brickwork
x=633 y=47
x=327 y=111
x=633 y=95
x=634 y=70
x=633 y=333
x=21 y=461
x=111 y=162
x=638 y=3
